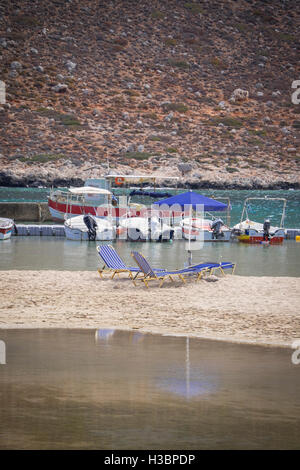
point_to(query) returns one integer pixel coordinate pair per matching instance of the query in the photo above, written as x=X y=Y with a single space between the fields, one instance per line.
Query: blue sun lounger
x=213 y=266
x=114 y=263
x=151 y=274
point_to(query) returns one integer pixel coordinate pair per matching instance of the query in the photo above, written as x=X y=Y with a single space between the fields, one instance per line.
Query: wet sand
x=261 y=310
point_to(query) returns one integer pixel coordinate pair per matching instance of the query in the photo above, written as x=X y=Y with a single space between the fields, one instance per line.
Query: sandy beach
x=261 y=310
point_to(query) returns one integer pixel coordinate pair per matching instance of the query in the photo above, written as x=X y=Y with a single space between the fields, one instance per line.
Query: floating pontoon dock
x=24 y=230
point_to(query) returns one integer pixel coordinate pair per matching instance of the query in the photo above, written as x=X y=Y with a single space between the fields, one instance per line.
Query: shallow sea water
x=110 y=389
x=35 y=253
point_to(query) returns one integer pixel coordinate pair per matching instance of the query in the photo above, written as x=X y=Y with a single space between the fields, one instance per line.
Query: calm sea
x=257 y=210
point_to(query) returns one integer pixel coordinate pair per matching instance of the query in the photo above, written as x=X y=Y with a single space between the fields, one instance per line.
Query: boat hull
x=259 y=239
x=5 y=234
x=80 y=235
x=6 y=228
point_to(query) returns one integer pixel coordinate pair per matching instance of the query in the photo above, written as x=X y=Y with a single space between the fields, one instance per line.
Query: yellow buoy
x=297 y=238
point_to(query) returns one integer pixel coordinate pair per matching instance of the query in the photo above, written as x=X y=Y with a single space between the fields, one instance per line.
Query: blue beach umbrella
x=193 y=199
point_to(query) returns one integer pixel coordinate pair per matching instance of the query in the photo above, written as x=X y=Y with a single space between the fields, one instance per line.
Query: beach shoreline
x=239 y=309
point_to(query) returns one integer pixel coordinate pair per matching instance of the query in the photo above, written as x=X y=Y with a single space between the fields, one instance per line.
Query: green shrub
x=242 y=27
x=259 y=132
x=171 y=150
x=218 y=63
x=193 y=7
x=26 y=20
x=230 y=169
x=178 y=63
x=150 y=116
x=170 y=42
x=179 y=107
x=138 y=155
x=68 y=120
x=42 y=158
x=229 y=121
x=156 y=14
x=131 y=92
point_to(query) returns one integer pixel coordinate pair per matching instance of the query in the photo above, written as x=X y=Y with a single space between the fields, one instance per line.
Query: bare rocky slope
x=137 y=87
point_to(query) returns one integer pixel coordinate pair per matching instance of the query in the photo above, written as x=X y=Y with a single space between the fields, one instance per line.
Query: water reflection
x=180 y=382
x=125 y=389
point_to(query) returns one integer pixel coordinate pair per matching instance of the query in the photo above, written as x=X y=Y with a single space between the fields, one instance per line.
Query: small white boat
x=78 y=228
x=194 y=227
x=251 y=232
x=6 y=228
x=142 y=229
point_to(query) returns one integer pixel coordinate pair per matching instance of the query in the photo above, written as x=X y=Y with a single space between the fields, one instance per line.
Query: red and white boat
x=96 y=198
x=93 y=198
x=6 y=228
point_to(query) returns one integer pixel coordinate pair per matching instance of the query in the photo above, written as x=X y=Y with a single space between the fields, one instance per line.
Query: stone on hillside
x=70 y=65
x=13 y=74
x=3 y=42
x=60 y=88
x=140 y=148
x=291 y=150
x=222 y=104
x=239 y=95
x=169 y=117
x=33 y=50
x=130 y=148
x=40 y=69
x=16 y=65
x=184 y=167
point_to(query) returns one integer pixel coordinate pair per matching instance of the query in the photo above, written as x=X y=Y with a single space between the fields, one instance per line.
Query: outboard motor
x=91 y=226
x=216 y=228
x=266 y=229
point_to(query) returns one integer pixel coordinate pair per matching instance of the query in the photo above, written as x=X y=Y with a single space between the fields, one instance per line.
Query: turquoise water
x=258 y=211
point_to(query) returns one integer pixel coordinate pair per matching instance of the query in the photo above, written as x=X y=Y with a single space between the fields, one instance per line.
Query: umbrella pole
x=190 y=227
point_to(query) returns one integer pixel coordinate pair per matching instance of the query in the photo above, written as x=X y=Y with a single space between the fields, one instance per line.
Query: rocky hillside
x=198 y=89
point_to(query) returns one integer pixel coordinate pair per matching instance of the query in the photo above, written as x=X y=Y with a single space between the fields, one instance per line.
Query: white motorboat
x=251 y=232
x=6 y=228
x=88 y=227
x=143 y=228
x=208 y=230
